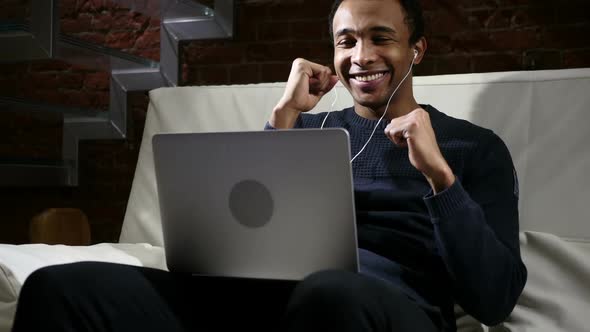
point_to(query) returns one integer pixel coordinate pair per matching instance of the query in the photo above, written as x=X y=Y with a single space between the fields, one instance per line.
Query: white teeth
x=369 y=78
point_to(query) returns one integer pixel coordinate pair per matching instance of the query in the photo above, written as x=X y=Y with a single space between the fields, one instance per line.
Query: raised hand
x=414 y=131
x=308 y=82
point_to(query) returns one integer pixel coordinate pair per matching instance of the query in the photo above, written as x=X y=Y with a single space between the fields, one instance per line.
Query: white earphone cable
x=331 y=106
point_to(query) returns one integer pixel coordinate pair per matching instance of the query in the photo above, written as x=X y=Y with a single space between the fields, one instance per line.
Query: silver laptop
x=260 y=204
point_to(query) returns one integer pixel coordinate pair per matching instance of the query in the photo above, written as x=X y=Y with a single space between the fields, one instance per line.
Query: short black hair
x=414 y=18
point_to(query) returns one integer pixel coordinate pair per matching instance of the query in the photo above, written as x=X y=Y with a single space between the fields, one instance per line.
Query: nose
x=363 y=54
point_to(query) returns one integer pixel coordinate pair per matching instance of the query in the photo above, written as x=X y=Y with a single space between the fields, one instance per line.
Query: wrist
x=283 y=117
x=441 y=179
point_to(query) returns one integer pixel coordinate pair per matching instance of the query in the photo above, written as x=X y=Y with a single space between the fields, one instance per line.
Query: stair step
x=33 y=173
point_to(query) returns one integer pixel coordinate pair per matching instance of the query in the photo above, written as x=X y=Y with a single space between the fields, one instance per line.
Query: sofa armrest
x=9 y=289
x=17 y=262
x=22 y=260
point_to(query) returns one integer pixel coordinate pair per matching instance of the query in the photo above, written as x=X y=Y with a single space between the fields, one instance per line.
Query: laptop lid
x=275 y=204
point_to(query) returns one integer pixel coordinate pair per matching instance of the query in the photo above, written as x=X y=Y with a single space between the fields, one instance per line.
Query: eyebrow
x=379 y=28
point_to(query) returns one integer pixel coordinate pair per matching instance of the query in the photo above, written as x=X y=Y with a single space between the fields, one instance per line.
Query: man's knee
x=333 y=288
x=43 y=281
x=64 y=278
x=330 y=300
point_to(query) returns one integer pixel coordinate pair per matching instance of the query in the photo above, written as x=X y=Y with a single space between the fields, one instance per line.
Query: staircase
x=38 y=37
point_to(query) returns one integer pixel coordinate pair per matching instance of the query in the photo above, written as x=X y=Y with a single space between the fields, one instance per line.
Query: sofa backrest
x=541 y=115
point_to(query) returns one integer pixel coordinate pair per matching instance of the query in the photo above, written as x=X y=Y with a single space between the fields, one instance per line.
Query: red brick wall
x=80 y=84
x=269 y=35
x=103 y=22
x=464 y=36
x=14 y=9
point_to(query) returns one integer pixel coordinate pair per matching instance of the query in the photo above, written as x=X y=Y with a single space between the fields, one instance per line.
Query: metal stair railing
x=181 y=20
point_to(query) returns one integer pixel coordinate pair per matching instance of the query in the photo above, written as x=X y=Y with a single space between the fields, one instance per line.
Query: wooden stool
x=60 y=226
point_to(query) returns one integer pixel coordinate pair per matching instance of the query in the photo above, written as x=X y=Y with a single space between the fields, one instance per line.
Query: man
x=435 y=196
x=437 y=213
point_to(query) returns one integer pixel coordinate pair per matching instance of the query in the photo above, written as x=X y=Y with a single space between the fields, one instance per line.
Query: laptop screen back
x=264 y=204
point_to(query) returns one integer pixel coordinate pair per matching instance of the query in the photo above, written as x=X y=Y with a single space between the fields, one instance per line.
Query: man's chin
x=372 y=102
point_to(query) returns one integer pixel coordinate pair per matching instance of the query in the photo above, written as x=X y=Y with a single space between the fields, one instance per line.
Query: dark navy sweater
x=458 y=246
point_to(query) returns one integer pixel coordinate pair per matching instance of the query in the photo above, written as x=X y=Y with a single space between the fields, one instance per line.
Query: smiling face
x=372 y=52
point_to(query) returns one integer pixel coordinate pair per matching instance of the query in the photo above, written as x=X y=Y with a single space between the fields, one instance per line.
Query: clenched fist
x=308 y=83
x=414 y=131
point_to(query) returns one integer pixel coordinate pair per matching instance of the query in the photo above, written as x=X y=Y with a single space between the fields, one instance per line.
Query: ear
x=420 y=46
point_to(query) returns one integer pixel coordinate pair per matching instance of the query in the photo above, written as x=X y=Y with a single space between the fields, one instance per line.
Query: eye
x=381 y=40
x=346 y=42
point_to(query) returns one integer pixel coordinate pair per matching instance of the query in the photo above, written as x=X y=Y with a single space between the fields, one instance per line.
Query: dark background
x=465 y=36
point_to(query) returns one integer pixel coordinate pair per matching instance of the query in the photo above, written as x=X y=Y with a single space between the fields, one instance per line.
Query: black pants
x=94 y=296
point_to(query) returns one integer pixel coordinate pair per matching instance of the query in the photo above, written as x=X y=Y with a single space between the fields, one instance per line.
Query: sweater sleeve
x=476 y=229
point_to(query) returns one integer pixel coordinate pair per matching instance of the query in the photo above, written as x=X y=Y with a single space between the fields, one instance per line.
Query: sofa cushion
x=9 y=289
x=556 y=296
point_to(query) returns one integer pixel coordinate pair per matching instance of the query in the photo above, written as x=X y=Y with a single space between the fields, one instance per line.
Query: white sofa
x=542 y=116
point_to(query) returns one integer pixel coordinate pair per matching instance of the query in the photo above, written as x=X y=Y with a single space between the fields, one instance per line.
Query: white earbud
x=415 y=54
